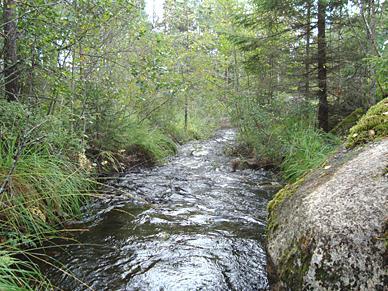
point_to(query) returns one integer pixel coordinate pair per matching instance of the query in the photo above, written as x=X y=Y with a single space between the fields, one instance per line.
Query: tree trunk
x=372 y=49
x=323 y=109
x=11 y=74
x=236 y=72
x=307 y=59
x=187 y=67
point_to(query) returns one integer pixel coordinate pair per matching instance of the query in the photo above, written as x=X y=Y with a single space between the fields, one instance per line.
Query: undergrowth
x=42 y=192
x=124 y=141
x=197 y=128
x=41 y=186
x=284 y=133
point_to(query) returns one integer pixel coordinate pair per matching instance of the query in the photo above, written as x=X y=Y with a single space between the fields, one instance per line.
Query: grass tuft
x=42 y=191
x=307 y=149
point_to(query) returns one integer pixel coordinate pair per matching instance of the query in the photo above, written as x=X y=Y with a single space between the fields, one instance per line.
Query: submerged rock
x=254 y=164
x=328 y=231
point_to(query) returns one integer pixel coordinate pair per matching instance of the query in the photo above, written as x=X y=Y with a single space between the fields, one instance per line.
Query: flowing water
x=191 y=224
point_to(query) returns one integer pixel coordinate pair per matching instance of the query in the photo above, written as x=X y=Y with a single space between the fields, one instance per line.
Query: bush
x=130 y=137
x=54 y=132
x=265 y=128
x=152 y=141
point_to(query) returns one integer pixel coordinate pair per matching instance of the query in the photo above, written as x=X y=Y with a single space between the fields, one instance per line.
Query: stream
x=190 y=224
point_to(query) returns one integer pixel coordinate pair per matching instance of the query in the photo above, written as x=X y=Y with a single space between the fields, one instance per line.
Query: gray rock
x=330 y=231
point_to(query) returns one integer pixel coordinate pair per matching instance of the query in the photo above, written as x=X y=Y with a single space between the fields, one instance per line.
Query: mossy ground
x=373 y=125
x=342 y=128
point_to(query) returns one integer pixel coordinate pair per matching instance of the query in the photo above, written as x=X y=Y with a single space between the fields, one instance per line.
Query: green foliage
x=200 y=127
x=54 y=132
x=150 y=140
x=380 y=65
x=373 y=125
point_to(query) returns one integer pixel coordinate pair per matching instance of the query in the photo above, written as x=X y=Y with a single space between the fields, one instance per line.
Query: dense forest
x=92 y=87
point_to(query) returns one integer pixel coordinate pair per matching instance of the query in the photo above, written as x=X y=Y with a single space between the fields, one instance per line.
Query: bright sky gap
x=154 y=9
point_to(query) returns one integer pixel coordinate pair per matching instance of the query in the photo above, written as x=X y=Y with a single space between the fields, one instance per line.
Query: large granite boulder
x=329 y=230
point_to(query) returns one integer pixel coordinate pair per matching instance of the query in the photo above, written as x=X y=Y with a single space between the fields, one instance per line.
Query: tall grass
x=20 y=274
x=307 y=148
x=42 y=192
x=130 y=136
x=150 y=140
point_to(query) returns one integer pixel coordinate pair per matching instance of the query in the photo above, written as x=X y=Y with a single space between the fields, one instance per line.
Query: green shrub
x=133 y=137
x=150 y=140
x=265 y=128
x=54 y=132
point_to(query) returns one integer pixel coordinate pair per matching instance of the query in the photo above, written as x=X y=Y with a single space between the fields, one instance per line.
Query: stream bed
x=190 y=224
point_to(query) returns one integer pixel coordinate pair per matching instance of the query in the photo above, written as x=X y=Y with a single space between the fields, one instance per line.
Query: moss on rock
x=373 y=125
x=278 y=199
x=294 y=264
x=342 y=128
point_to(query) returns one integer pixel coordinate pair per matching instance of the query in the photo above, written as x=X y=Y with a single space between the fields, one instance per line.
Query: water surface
x=191 y=224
